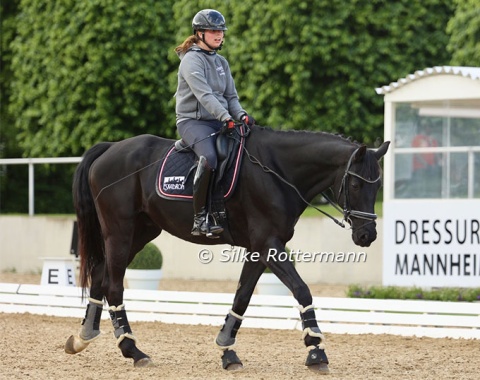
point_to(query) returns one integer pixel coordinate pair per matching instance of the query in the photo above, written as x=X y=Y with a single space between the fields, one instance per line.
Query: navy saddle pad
x=175 y=177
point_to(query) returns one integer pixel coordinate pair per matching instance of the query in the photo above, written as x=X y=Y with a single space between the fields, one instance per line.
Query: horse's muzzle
x=365 y=235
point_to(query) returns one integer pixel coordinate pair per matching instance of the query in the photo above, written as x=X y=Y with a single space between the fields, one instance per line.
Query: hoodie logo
x=220 y=70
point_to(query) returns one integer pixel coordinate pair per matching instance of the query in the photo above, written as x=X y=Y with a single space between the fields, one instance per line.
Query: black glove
x=228 y=126
x=248 y=119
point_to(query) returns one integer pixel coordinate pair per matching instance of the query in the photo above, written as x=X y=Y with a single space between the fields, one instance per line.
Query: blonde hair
x=187 y=44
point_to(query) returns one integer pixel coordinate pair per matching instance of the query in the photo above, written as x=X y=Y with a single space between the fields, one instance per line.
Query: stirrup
x=202 y=227
x=214 y=231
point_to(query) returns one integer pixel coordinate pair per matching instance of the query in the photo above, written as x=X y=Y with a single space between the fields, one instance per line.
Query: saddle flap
x=174 y=179
x=223 y=145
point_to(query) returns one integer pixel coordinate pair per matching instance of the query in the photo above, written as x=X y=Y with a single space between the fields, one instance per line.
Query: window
x=437 y=151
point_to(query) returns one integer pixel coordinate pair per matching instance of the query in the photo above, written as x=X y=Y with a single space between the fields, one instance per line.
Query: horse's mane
x=316 y=133
x=370 y=165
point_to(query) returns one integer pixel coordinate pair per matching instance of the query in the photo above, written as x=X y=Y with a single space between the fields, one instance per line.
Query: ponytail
x=187 y=44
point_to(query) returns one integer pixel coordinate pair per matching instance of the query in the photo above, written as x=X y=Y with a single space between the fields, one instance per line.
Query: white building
x=432 y=178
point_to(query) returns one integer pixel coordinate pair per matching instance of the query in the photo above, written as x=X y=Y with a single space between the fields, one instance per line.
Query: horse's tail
x=90 y=242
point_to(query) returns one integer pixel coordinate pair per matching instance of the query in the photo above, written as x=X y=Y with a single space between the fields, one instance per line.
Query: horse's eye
x=355 y=185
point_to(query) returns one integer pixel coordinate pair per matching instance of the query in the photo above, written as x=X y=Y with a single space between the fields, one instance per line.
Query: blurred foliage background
x=74 y=73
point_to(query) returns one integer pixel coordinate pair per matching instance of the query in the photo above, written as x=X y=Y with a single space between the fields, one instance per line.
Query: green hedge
x=74 y=73
x=150 y=257
x=414 y=293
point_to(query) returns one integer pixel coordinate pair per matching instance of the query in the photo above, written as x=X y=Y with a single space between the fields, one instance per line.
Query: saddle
x=175 y=177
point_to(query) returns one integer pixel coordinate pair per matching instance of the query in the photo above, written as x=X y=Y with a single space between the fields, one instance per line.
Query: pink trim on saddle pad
x=161 y=176
x=237 y=165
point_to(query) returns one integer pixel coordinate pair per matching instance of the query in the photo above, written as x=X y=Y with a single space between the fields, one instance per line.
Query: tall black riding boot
x=201 y=184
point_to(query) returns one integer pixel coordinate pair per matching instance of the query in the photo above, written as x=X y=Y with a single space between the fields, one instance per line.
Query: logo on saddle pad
x=173 y=183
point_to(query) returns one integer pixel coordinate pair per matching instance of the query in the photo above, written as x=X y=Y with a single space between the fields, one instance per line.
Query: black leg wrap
x=316 y=356
x=120 y=324
x=309 y=322
x=308 y=319
x=230 y=357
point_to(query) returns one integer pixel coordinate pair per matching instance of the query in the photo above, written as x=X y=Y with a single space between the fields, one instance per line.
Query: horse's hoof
x=321 y=368
x=74 y=345
x=234 y=367
x=230 y=361
x=317 y=361
x=143 y=363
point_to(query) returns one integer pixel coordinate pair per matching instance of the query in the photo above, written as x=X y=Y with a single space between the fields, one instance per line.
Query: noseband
x=347 y=210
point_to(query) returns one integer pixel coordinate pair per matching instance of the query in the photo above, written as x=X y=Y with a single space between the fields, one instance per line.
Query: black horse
x=119 y=211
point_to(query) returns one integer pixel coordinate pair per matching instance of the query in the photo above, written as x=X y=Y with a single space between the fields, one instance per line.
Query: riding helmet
x=208 y=19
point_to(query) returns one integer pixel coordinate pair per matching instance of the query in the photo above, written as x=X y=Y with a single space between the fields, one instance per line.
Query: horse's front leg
x=226 y=338
x=90 y=329
x=312 y=336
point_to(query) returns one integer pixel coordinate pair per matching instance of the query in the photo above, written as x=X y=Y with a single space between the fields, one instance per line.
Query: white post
x=31 y=190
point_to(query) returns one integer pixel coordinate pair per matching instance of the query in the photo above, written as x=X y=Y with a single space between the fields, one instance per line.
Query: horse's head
x=357 y=188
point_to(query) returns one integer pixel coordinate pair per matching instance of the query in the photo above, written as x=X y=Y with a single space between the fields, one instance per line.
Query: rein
x=245 y=134
x=149 y=165
x=347 y=210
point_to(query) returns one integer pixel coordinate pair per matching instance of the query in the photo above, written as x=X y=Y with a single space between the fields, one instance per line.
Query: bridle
x=347 y=210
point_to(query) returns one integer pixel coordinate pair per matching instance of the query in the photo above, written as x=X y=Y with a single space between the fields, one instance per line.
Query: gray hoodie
x=206 y=90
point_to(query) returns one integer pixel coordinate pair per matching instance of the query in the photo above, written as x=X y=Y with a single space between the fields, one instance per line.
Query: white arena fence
x=31 y=172
x=335 y=315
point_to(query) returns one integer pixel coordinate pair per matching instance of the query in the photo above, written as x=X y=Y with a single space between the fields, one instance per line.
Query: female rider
x=206 y=101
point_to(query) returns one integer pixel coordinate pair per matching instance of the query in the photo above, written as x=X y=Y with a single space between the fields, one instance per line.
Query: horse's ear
x=360 y=153
x=380 y=152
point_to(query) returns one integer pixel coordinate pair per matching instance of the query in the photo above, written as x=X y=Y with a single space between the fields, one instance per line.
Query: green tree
x=87 y=71
x=8 y=11
x=327 y=59
x=314 y=64
x=464 y=29
x=78 y=72
x=14 y=191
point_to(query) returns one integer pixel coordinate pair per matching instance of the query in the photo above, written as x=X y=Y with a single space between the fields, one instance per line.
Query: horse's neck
x=309 y=160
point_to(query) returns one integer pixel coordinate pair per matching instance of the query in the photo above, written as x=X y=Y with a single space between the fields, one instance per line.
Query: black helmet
x=209 y=19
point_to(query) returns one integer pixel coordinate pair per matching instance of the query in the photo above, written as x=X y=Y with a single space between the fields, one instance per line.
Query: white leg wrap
x=117 y=308
x=310 y=332
x=306 y=308
x=93 y=300
x=236 y=315
x=126 y=335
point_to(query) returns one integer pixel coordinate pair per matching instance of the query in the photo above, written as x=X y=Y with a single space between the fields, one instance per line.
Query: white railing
x=31 y=172
x=434 y=319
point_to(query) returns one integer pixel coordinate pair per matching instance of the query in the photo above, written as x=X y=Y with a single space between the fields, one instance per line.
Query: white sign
x=431 y=243
x=58 y=271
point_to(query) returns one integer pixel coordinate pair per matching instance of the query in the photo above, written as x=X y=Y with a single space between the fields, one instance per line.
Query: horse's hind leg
x=90 y=329
x=118 y=251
